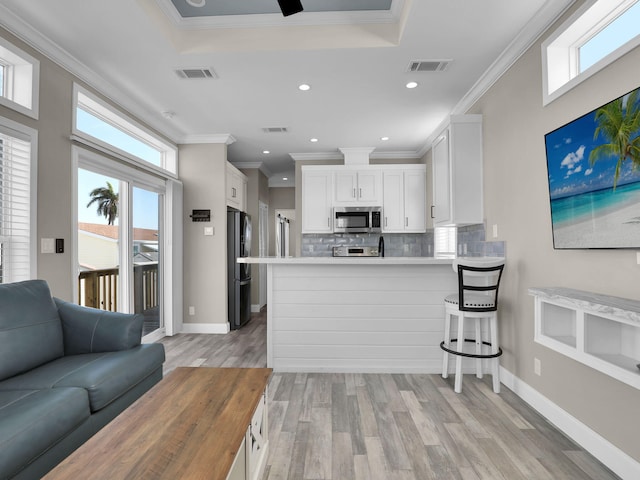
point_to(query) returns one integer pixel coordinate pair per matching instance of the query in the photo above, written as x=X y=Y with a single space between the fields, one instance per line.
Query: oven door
x=351 y=222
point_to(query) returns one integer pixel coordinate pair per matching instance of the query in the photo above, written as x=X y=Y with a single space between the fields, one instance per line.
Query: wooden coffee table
x=197 y=423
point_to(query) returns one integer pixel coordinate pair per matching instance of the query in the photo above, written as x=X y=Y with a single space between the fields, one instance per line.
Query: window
x=19 y=79
x=17 y=202
x=96 y=121
x=444 y=241
x=595 y=36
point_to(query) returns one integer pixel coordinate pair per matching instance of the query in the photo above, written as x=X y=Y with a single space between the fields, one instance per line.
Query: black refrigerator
x=238 y=274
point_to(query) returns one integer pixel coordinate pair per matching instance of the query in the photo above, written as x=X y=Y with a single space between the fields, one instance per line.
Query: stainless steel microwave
x=357 y=219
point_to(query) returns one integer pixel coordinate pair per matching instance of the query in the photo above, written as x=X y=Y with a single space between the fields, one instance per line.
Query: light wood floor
x=391 y=427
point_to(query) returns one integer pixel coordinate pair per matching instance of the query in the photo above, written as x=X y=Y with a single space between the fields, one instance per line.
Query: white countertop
x=354 y=260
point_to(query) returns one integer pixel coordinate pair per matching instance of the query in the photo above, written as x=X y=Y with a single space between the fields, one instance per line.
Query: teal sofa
x=65 y=372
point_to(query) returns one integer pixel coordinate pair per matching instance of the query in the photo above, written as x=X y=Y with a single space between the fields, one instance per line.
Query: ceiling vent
x=428 y=65
x=196 y=73
x=275 y=130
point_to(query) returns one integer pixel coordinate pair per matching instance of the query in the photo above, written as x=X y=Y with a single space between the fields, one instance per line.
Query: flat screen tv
x=593 y=166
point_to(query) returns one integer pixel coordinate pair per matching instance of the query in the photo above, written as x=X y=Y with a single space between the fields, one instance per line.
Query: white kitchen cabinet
x=600 y=331
x=317 y=196
x=358 y=187
x=236 y=188
x=457 y=172
x=404 y=199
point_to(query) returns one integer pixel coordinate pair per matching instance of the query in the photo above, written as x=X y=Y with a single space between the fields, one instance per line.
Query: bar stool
x=477 y=299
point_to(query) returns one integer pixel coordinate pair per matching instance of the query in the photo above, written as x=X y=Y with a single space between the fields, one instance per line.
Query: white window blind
x=15 y=208
x=444 y=239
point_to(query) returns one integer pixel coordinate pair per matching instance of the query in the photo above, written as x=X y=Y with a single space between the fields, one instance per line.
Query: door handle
x=385 y=222
x=406 y=221
x=354 y=193
x=360 y=193
x=432 y=215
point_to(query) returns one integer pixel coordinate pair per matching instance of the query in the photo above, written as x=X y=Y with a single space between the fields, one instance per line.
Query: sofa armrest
x=88 y=330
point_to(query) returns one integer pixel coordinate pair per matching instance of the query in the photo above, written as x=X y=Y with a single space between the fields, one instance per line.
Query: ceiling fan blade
x=289 y=7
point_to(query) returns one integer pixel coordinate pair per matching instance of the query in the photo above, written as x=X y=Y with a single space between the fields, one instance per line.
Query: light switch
x=495 y=230
x=208 y=231
x=47 y=245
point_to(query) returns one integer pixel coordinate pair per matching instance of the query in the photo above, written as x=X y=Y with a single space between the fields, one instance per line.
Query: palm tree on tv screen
x=619 y=123
x=107 y=200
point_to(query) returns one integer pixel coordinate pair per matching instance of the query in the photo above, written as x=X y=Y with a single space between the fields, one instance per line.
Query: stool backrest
x=479 y=280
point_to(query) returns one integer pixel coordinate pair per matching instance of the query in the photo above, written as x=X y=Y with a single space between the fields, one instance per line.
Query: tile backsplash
x=470 y=242
x=395 y=244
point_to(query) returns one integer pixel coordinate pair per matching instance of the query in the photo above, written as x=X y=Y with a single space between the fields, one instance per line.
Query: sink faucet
x=381 y=246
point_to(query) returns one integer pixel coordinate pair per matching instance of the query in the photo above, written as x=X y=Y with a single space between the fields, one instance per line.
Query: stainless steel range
x=345 y=251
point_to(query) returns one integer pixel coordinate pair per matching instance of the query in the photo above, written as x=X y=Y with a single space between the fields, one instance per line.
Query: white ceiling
x=355 y=62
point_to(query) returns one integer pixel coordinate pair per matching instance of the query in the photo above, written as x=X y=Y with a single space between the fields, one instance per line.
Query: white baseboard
x=220 y=328
x=614 y=458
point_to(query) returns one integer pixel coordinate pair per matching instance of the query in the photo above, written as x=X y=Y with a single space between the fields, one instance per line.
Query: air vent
x=275 y=130
x=196 y=73
x=428 y=65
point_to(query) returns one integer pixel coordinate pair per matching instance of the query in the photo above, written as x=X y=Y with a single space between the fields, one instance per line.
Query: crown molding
x=259 y=165
x=225 y=138
x=319 y=156
x=532 y=31
x=404 y=154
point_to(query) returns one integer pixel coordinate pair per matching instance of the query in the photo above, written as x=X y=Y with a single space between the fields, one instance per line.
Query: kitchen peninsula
x=372 y=314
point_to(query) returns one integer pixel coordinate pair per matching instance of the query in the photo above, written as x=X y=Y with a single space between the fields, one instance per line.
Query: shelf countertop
x=595 y=302
x=356 y=260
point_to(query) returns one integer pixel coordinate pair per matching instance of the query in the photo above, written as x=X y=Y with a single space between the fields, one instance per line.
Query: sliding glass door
x=119 y=239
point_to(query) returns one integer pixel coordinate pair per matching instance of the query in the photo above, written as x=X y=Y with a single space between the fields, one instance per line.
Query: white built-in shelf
x=598 y=330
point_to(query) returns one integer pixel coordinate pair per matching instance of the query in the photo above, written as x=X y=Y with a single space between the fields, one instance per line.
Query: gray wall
x=517 y=200
x=203 y=173
x=257 y=191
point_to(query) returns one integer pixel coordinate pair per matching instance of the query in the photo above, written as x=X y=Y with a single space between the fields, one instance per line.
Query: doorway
x=119 y=243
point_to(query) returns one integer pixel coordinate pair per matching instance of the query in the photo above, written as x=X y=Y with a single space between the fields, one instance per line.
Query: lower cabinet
x=251 y=459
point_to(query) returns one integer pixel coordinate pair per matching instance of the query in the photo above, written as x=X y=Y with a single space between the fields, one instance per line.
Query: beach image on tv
x=594 y=177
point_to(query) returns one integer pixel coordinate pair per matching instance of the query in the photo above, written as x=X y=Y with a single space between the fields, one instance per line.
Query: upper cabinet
x=399 y=189
x=236 y=188
x=358 y=187
x=457 y=173
x=404 y=199
x=317 y=194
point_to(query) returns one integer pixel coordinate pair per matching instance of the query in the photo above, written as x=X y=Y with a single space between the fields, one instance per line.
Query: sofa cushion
x=106 y=376
x=31 y=421
x=30 y=328
x=93 y=331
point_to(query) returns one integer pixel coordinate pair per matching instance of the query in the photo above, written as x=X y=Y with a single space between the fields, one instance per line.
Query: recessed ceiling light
x=285 y=178
x=304 y=87
x=412 y=84
x=266 y=152
x=384 y=139
x=313 y=140
x=196 y=3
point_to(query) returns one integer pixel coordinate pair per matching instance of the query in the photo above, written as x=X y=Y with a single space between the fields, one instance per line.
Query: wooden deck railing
x=99 y=288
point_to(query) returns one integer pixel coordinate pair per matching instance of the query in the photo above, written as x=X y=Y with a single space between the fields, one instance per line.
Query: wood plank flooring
x=334 y=426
